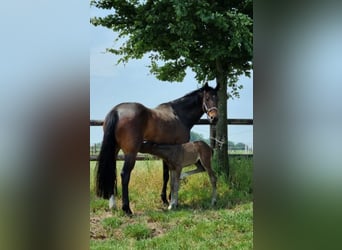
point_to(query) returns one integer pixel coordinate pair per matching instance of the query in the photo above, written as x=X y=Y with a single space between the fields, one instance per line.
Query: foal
x=178 y=156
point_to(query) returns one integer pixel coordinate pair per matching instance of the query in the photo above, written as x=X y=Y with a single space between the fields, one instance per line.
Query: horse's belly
x=167 y=135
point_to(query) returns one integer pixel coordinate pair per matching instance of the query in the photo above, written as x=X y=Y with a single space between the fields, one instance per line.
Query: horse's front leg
x=175 y=174
x=165 y=181
x=125 y=177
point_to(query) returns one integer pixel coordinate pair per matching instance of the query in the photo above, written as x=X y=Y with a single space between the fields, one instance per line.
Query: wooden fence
x=200 y=122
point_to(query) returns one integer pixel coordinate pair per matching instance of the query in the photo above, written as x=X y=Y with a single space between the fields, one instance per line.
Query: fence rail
x=200 y=122
x=150 y=157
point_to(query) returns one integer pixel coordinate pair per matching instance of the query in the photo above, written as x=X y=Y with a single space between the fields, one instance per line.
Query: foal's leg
x=125 y=177
x=213 y=180
x=174 y=188
x=165 y=181
x=199 y=169
x=207 y=165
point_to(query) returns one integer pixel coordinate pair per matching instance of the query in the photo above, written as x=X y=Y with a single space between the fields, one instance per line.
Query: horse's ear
x=206 y=85
x=217 y=88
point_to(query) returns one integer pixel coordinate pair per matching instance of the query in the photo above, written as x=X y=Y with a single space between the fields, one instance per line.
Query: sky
x=112 y=83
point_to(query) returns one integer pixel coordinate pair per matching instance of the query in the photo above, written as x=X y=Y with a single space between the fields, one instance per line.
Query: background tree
x=240 y=146
x=197 y=137
x=231 y=145
x=213 y=38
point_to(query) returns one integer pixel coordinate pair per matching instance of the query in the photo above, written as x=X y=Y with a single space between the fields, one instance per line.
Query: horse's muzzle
x=212 y=116
x=212 y=119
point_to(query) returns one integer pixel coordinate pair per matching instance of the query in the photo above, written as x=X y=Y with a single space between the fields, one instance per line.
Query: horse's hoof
x=112 y=204
x=129 y=213
x=172 y=206
x=127 y=210
x=165 y=201
x=213 y=203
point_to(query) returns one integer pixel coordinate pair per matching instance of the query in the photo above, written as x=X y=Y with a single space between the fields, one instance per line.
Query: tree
x=197 y=137
x=231 y=145
x=240 y=146
x=213 y=38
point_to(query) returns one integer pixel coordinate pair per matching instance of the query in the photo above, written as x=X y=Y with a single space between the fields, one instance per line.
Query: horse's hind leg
x=165 y=181
x=125 y=177
x=213 y=180
x=112 y=203
x=212 y=177
x=199 y=169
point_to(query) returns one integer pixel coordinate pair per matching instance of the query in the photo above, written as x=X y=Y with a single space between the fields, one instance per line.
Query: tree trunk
x=221 y=126
x=212 y=136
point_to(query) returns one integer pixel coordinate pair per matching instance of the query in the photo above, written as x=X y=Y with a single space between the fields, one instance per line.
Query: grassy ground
x=193 y=225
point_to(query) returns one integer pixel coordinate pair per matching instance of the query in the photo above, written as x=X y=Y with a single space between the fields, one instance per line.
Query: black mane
x=192 y=94
x=189 y=107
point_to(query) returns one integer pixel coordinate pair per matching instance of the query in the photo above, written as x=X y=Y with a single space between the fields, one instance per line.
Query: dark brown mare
x=127 y=125
x=178 y=156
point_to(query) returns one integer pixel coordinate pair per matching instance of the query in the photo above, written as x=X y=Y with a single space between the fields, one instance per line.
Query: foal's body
x=178 y=156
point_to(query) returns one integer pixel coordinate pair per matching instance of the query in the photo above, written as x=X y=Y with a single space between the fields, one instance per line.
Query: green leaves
x=184 y=33
x=170 y=71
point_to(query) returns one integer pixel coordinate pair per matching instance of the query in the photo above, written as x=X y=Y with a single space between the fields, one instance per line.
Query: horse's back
x=196 y=146
x=165 y=127
x=201 y=144
x=203 y=148
x=130 y=109
x=137 y=123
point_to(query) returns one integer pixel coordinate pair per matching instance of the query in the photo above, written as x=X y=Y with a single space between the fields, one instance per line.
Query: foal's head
x=209 y=102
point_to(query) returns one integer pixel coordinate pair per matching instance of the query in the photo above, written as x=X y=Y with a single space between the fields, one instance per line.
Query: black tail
x=106 y=165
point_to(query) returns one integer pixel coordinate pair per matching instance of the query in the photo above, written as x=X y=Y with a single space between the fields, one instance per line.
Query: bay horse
x=127 y=125
x=178 y=156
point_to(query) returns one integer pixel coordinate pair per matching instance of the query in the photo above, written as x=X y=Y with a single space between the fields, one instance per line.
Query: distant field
x=193 y=225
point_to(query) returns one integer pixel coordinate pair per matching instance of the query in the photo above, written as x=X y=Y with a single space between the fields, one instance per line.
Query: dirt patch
x=156 y=229
x=97 y=230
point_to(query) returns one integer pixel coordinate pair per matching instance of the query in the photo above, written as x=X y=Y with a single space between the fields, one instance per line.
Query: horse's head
x=209 y=102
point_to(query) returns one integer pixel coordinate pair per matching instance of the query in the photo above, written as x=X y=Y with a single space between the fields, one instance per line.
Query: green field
x=193 y=225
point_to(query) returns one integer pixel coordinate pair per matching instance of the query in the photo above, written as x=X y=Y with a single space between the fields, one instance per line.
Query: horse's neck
x=188 y=111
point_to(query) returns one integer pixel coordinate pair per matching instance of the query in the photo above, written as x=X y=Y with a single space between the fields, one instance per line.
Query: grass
x=193 y=225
